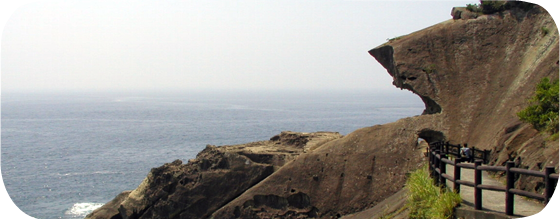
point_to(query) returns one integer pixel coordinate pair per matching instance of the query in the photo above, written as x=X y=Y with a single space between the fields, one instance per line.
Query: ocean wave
x=87 y=173
x=82 y=209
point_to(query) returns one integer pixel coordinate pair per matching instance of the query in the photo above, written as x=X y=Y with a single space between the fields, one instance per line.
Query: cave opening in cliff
x=431 y=135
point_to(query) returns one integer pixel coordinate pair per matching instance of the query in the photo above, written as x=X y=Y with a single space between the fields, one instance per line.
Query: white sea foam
x=87 y=173
x=82 y=209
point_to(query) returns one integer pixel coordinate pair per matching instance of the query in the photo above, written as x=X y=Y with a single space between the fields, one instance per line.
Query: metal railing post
x=477 y=181
x=436 y=165
x=549 y=184
x=509 y=185
x=456 y=176
x=430 y=170
x=473 y=154
x=432 y=164
x=442 y=169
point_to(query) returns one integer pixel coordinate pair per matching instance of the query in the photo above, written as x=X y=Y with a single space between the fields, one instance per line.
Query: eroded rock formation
x=476 y=74
x=216 y=176
x=473 y=74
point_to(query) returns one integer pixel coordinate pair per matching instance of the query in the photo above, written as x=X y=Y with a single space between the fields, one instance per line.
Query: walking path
x=493 y=201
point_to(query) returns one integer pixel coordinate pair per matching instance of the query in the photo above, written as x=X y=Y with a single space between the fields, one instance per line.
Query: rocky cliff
x=473 y=74
x=212 y=179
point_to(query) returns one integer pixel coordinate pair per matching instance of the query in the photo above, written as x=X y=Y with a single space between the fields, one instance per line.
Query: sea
x=64 y=154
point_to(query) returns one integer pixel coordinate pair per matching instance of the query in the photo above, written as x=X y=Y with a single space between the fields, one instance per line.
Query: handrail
x=491 y=187
x=528 y=194
x=554 y=176
x=527 y=172
x=467 y=183
x=438 y=152
x=466 y=165
x=492 y=168
x=451 y=149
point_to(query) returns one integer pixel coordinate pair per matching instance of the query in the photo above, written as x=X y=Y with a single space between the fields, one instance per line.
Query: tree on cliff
x=543 y=113
x=491 y=7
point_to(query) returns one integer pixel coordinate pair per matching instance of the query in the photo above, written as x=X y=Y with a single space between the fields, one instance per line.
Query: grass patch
x=545 y=31
x=393 y=39
x=553 y=136
x=430 y=68
x=425 y=200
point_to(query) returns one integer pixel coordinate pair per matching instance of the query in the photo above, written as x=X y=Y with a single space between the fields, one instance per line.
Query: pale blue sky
x=216 y=44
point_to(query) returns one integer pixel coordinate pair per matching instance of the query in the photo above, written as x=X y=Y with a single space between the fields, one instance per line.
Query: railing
x=451 y=149
x=438 y=159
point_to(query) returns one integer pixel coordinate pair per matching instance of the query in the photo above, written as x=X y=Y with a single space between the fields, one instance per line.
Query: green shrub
x=544 y=31
x=543 y=111
x=429 y=68
x=393 y=39
x=426 y=200
x=491 y=7
x=474 y=8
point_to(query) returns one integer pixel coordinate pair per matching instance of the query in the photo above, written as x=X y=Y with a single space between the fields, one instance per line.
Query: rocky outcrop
x=463 y=13
x=476 y=74
x=473 y=76
x=216 y=176
x=341 y=177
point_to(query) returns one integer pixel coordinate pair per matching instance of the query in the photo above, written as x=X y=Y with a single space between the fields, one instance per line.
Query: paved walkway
x=493 y=200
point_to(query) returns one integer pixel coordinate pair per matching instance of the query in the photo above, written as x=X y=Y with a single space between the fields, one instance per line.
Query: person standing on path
x=466 y=153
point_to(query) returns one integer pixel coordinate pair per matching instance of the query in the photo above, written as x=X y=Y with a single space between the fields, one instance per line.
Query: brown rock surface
x=216 y=176
x=473 y=75
x=476 y=74
x=463 y=13
x=341 y=177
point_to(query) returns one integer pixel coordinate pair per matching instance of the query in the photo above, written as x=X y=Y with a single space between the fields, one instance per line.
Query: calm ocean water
x=63 y=155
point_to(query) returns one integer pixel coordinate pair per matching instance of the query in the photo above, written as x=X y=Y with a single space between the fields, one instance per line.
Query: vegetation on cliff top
x=425 y=200
x=491 y=7
x=543 y=111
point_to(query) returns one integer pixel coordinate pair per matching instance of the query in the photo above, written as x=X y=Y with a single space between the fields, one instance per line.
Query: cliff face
x=476 y=74
x=473 y=76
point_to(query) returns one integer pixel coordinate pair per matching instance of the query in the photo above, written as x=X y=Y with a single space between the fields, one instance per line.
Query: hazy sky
x=210 y=44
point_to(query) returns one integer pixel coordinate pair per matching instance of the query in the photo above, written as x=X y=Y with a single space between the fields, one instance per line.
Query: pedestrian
x=466 y=153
